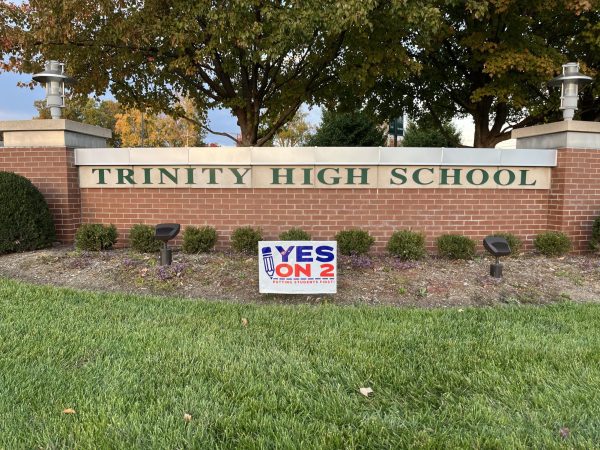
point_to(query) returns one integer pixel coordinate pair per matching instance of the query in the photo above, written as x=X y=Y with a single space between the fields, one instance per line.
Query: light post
x=569 y=82
x=54 y=79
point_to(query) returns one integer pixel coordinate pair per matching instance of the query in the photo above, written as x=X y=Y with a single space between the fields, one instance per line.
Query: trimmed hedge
x=95 y=237
x=407 y=245
x=295 y=234
x=354 y=241
x=141 y=239
x=245 y=239
x=199 y=240
x=456 y=246
x=552 y=243
x=25 y=219
x=595 y=239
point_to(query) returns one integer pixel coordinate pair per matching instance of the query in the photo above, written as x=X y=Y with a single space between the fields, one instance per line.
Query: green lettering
x=471 y=179
x=289 y=175
x=239 y=178
x=125 y=175
x=511 y=177
x=400 y=176
x=190 y=175
x=171 y=176
x=147 y=178
x=334 y=180
x=364 y=175
x=307 y=176
x=417 y=175
x=455 y=177
x=524 y=182
x=101 y=172
x=212 y=174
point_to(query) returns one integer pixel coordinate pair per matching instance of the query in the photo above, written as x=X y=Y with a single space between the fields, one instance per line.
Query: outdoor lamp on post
x=569 y=82
x=54 y=78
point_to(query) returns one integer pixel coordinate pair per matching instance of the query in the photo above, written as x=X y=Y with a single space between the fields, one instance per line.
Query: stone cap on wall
x=52 y=133
x=568 y=133
x=315 y=156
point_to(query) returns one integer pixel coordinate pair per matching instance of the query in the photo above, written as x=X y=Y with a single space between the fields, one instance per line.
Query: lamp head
x=54 y=79
x=569 y=82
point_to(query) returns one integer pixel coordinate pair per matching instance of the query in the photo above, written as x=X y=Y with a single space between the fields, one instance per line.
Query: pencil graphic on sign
x=268 y=261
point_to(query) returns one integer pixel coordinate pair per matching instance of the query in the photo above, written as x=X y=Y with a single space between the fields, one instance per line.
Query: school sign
x=337 y=168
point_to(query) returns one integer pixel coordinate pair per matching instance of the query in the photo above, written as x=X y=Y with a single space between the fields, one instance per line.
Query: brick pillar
x=574 y=200
x=43 y=151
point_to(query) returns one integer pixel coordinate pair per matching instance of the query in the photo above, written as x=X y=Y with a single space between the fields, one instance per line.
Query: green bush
x=552 y=243
x=595 y=239
x=25 y=220
x=514 y=242
x=141 y=239
x=199 y=240
x=245 y=239
x=295 y=234
x=455 y=246
x=95 y=237
x=407 y=245
x=354 y=242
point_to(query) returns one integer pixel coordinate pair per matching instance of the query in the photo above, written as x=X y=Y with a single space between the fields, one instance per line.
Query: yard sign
x=297 y=267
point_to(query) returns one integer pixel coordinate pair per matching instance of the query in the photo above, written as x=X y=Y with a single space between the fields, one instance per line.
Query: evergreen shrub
x=199 y=239
x=25 y=219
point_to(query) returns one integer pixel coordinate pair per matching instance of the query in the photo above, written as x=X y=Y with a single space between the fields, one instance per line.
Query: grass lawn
x=131 y=367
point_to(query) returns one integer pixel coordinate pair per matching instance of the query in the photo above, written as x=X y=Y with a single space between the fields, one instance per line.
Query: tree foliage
x=356 y=129
x=427 y=134
x=138 y=129
x=261 y=59
x=295 y=133
x=491 y=60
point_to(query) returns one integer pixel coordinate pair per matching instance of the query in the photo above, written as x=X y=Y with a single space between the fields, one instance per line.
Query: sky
x=17 y=104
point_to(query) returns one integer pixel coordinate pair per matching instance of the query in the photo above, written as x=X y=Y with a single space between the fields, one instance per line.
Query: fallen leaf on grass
x=68 y=411
x=187 y=417
x=564 y=432
x=244 y=322
x=366 y=391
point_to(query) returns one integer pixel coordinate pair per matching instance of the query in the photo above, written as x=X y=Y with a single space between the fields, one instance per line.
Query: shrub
x=354 y=242
x=407 y=245
x=95 y=237
x=514 y=242
x=455 y=246
x=552 y=243
x=199 y=240
x=25 y=220
x=295 y=234
x=245 y=239
x=141 y=239
x=595 y=239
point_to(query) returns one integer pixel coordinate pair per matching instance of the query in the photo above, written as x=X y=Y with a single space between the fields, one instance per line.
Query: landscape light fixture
x=54 y=78
x=497 y=246
x=569 y=82
x=165 y=232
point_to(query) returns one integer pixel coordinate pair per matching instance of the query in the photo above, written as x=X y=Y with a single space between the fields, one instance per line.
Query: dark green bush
x=354 y=242
x=245 y=239
x=141 y=239
x=199 y=240
x=456 y=246
x=407 y=245
x=295 y=234
x=95 y=237
x=552 y=243
x=514 y=242
x=595 y=239
x=25 y=220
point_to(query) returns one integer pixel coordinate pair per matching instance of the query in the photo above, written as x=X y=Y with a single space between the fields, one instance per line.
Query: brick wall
x=570 y=205
x=323 y=212
x=53 y=171
x=575 y=194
